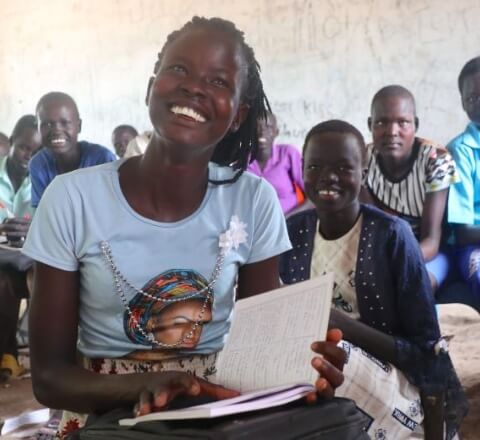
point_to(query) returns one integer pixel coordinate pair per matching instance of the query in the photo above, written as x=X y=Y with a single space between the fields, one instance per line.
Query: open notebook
x=267 y=355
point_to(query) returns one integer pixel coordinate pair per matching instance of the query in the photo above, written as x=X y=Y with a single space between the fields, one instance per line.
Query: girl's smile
x=328 y=194
x=188 y=113
x=195 y=96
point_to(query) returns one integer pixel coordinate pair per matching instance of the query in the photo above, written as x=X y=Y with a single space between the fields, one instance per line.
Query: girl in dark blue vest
x=382 y=298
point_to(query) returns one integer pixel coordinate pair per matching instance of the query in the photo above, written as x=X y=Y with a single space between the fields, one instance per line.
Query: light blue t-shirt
x=82 y=209
x=464 y=196
x=43 y=167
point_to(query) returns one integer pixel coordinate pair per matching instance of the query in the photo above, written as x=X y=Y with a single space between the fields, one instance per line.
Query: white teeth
x=57 y=141
x=326 y=192
x=186 y=111
x=262 y=140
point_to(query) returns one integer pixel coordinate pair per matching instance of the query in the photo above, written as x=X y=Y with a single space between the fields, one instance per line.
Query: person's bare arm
x=15 y=228
x=377 y=343
x=431 y=225
x=258 y=277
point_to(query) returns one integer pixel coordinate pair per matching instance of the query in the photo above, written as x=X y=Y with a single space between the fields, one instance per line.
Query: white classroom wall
x=321 y=59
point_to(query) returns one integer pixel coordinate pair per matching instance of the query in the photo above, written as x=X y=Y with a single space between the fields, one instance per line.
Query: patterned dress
x=432 y=170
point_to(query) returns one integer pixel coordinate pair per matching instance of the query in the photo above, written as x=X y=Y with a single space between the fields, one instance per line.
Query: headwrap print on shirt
x=170 y=321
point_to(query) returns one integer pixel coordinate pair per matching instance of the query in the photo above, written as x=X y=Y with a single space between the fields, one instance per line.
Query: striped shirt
x=433 y=170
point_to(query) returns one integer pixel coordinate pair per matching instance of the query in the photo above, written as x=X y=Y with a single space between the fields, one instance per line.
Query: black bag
x=337 y=419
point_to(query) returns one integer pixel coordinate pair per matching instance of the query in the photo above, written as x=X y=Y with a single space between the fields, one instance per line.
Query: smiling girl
x=382 y=300
x=102 y=236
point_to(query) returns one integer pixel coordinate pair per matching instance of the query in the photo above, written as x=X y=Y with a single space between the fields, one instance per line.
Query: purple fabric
x=282 y=170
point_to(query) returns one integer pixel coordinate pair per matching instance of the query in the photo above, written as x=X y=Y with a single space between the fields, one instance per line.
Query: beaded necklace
x=231 y=238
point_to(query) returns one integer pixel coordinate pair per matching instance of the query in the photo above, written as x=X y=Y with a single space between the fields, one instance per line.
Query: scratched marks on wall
x=341 y=53
x=296 y=116
x=320 y=59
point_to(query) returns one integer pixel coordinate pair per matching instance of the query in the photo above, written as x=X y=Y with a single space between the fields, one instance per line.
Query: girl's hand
x=329 y=366
x=170 y=384
x=15 y=228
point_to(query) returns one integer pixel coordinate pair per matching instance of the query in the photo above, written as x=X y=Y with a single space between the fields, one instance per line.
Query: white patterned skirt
x=384 y=394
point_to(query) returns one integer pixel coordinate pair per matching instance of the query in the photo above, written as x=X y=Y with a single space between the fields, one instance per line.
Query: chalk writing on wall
x=320 y=59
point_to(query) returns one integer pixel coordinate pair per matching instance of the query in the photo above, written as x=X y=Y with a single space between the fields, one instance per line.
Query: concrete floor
x=16 y=396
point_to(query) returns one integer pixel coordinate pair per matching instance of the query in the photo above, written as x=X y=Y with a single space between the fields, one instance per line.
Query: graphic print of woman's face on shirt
x=170 y=322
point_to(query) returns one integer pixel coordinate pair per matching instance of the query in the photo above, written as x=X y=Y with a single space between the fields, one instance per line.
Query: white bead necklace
x=231 y=238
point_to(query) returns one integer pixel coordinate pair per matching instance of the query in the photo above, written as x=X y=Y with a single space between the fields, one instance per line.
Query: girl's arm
x=431 y=224
x=258 y=277
x=416 y=350
x=375 y=342
x=58 y=380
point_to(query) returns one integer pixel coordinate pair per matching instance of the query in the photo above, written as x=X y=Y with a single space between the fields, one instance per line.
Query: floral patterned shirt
x=433 y=170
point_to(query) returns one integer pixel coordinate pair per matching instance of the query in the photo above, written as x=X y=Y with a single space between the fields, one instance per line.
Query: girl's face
x=120 y=140
x=24 y=146
x=196 y=96
x=471 y=97
x=59 y=125
x=393 y=126
x=267 y=132
x=332 y=172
